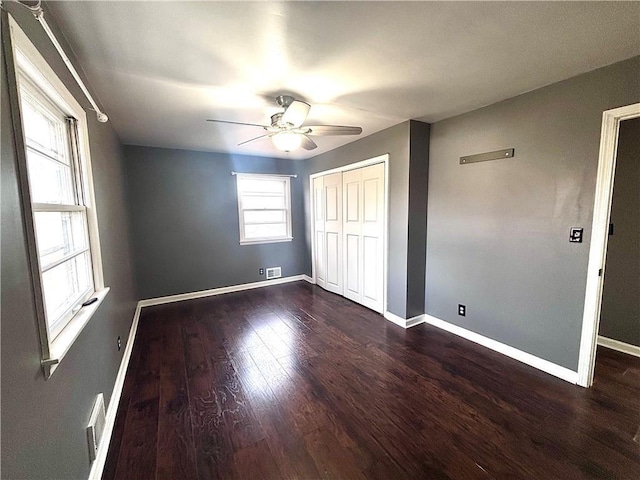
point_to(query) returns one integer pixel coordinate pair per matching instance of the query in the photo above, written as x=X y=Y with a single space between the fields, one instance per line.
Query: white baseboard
x=404 y=323
x=619 y=346
x=524 y=357
x=307 y=278
x=219 y=291
x=110 y=419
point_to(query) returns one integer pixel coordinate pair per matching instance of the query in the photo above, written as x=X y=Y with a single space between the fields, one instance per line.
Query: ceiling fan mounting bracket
x=284 y=100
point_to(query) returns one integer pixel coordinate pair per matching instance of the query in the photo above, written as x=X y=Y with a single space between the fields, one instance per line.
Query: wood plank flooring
x=294 y=382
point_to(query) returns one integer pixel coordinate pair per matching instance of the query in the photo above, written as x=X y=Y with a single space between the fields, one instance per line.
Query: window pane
x=59 y=234
x=262 y=186
x=64 y=286
x=50 y=181
x=265 y=216
x=45 y=132
x=265 y=231
x=258 y=202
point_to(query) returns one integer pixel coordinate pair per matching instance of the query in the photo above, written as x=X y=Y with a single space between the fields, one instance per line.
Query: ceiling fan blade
x=322 y=130
x=238 y=123
x=307 y=143
x=256 y=138
x=296 y=113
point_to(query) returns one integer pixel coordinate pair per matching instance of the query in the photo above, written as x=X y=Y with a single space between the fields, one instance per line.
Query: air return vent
x=274 y=272
x=96 y=426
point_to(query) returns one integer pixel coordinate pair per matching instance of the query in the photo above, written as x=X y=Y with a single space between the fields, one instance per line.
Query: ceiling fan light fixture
x=286 y=141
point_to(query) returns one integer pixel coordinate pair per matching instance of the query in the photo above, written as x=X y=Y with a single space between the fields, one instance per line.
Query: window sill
x=265 y=240
x=62 y=343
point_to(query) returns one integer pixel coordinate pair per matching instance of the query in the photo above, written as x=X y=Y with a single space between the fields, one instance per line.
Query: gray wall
x=184 y=212
x=395 y=142
x=43 y=421
x=497 y=232
x=417 y=228
x=620 y=314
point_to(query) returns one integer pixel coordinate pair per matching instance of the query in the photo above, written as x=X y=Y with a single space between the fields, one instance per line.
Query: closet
x=349 y=233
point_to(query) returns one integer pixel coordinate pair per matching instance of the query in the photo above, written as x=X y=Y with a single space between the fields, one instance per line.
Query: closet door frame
x=384 y=159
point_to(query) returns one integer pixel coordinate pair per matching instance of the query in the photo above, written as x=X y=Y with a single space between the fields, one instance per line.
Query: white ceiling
x=161 y=68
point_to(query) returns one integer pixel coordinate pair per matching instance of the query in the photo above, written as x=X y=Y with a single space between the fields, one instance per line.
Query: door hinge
x=600 y=272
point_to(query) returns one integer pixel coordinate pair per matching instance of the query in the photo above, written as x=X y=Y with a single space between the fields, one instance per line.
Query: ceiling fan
x=286 y=130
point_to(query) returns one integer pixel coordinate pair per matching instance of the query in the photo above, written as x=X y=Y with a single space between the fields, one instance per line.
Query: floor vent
x=96 y=426
x=274 y=272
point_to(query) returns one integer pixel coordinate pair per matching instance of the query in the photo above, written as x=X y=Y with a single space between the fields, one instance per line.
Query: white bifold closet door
x=349 y=234
x=319 y=258
x=363 y=235
x=328 y=231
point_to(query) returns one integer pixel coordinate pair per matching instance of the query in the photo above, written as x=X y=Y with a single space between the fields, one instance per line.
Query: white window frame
x=263 y=176
x=26 y=61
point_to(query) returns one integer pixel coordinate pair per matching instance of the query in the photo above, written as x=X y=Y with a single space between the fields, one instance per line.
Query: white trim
x=404 y=323
x=286 y=179
x=524 y=357
x=27 y=63
x=265 y=240
x=352 y=166
x=599 y=236
x=312 y=227
x=290 y=175
x=384 y=159
x=110 y=419
x=39 y=72
x=219 y=291
x=619 y=346
x=53 y=207
x=308 y=279
x=59 y=346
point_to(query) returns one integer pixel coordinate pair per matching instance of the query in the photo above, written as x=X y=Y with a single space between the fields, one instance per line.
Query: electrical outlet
x=119 y=343
x=261 y=271
x=462 y=310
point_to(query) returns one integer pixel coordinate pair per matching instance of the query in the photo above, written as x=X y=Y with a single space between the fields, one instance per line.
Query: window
x=61 y=220
x=264 y=208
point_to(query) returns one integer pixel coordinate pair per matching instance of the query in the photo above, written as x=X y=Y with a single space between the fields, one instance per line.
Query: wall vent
x=96 y=426
x=274 y=272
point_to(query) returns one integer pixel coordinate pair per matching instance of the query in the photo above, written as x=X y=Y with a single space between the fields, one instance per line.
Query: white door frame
x=599 y=237
x=364 y=163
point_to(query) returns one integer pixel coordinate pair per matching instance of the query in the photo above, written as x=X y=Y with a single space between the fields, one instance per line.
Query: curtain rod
x=267 y=174
x=38 y=13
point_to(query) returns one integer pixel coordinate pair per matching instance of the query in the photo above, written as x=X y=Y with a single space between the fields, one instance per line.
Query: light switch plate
x=575 y=234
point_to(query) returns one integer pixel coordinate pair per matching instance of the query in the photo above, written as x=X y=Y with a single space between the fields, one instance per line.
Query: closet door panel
x=332 y=194
x=318 y=226
x=333 y=262
x=372 y=240
x=320 y=259
x=370 y=268
x=352 y=208
x=352 y=270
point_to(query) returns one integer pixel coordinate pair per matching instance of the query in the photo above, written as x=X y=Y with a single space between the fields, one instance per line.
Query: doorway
x=349 y=237
x=596 y=271
x=620 y=312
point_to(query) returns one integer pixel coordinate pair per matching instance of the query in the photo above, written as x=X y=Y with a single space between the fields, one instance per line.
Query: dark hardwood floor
x=293 y=382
